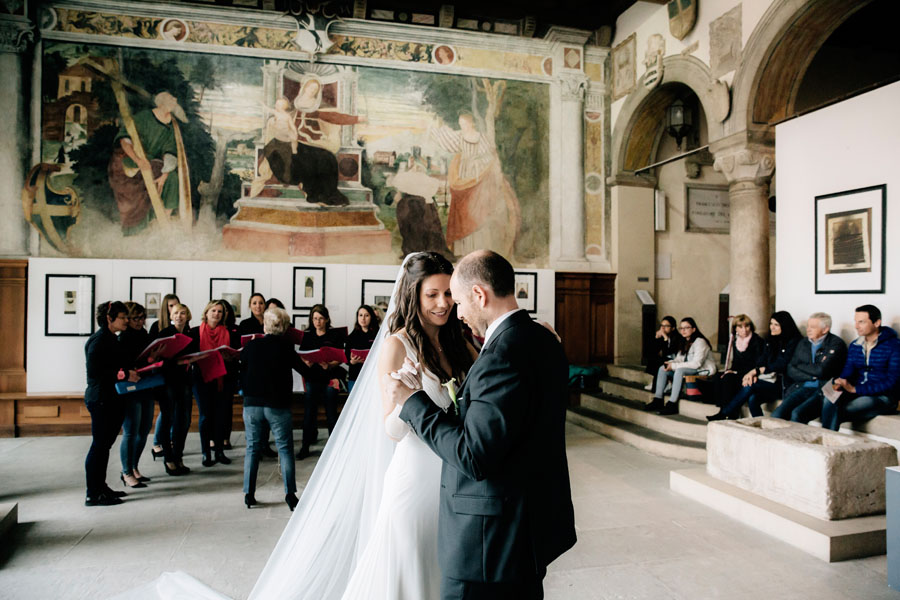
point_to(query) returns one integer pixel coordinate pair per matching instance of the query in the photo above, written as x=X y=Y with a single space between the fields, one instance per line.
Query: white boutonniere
x=451 y=389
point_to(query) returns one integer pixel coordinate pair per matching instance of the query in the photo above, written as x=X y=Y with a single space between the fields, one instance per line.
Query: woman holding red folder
x=319 y=381
x=214 y=398
x=361 y=338
x=176 y=402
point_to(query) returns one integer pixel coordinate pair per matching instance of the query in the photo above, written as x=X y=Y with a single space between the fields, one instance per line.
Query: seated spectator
x=694 y=358
x=818 y=358
x=666 y=343
x=766 y=381
x=745 y=350
x=870 y=381
x=266 y=365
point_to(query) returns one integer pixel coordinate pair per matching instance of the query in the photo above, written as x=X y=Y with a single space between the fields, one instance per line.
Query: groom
x=506 y=505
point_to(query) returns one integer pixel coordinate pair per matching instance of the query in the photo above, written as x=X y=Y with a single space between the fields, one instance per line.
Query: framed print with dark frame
x=236 y=291
x=300 y=320
x=309 y=287
x=377 y=294
x=850 y=241
x=150 y=291
x=525 y=290
x=69 y=305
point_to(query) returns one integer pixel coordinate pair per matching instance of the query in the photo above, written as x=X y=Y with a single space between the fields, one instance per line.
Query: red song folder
x=323 y=354
x=166 y=347
x=363 y=354
x=252 y=336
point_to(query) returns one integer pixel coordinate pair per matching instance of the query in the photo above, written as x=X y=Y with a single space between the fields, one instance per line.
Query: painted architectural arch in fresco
x=180 y=154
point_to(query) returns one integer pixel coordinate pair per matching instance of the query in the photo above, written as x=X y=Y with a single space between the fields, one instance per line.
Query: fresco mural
x=189 y=155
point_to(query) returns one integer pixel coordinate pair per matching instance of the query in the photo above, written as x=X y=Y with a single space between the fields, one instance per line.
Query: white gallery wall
x=55 y=364
x=851 y=145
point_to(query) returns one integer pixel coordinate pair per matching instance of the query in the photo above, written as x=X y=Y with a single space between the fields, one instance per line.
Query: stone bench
x=821 y=473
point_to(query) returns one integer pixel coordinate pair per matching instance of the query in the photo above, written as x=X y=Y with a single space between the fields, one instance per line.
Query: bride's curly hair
x=418 y=268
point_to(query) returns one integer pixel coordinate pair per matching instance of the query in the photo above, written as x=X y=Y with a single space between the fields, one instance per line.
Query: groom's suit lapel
x=511 y=321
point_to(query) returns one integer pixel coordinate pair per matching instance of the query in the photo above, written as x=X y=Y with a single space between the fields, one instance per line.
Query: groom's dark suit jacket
x=506 y=505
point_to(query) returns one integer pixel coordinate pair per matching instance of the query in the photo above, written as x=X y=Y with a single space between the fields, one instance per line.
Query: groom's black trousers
x=456 y=589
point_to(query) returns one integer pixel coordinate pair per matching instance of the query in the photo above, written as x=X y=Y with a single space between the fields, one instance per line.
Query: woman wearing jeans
x=138 y=405
x=693 y=358
x=267 y=383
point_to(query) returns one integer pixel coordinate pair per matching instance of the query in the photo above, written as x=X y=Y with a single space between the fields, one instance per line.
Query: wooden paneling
x=585 y=315
x=13 y=295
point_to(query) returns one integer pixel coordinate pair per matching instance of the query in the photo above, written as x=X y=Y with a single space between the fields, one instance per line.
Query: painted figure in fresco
x=160 y=137
x=484 y=209
x=312 y=165
x=417 y=216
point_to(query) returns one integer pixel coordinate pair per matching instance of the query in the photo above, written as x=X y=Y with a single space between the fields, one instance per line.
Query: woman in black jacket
x=103 y=361
x=267 y=383
x=319 y=379
x=176 y=403
x=666 y=344
x=745 y=349
x=138 y=405
x=254 y=323
x=767 y=380
x=361 y=338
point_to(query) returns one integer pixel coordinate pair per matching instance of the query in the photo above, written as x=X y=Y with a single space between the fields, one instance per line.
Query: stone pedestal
x=822 y=473
x=276 y=223
x=748 y=170
x=892 y=483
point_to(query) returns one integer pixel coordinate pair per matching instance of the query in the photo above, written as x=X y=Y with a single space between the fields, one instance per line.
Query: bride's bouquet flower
x=451 y=389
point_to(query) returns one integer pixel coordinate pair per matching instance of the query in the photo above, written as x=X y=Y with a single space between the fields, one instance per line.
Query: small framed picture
x=525 y=290
x=309 y=287
x=300 y=320
x=850 y=241
x=377 y=294
x=69 y=305
x=236 y=292
x=150 y=291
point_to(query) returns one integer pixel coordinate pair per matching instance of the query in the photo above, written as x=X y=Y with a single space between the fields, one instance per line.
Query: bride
x=366 y=524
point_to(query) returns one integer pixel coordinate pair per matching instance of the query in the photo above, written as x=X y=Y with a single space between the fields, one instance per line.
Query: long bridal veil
x=331 y=525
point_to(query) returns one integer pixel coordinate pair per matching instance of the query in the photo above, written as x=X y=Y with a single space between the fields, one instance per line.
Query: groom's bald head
x=487 y=269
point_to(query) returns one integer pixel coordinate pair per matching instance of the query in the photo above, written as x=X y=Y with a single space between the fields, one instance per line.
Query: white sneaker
x=649 y=387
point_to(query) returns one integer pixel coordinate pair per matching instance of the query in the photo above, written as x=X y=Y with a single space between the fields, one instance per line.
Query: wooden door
x=13 y=278
x=585 y=316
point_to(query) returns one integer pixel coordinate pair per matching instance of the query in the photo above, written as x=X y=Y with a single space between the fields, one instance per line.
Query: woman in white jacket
x=694 y=358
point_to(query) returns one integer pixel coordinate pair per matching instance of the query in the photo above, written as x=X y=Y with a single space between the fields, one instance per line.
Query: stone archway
x=637 y=126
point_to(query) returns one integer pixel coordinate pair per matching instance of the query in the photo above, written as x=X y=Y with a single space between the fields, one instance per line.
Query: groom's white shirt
x=493 y=326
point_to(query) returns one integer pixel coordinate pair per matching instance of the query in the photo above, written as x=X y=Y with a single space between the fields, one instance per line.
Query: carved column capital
x=573 y=87
x=15 y=35
x=593 y=98
x=752 y=164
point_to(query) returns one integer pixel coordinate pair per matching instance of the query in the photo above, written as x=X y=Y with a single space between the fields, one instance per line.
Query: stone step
x=636 y=392
x=9 y=518
x=632 y=373
x=638 y=436
x=631 y=411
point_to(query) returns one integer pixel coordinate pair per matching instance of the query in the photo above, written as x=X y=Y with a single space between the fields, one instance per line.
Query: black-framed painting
x=300 y=320
x=235 y=291
x=69 y=305
x=377 y=294
x=150 y=291
x=309 y=287
x=525 y=290
x=850 y=241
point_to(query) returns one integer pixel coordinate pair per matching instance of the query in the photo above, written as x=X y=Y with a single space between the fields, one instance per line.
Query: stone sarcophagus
x=822 y=473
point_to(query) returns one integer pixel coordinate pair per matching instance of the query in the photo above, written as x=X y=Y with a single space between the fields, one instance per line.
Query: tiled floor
x=636 y=538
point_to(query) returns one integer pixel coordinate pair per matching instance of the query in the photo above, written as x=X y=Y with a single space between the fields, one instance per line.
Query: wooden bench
x=28 y=415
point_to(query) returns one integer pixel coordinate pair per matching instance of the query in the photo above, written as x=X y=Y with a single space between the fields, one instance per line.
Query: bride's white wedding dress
x=400 y=560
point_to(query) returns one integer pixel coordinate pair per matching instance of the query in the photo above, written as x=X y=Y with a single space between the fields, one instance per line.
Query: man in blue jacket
x=870 y=381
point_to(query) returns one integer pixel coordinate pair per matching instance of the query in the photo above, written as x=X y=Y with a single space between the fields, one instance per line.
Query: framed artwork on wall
x=300 y=320
x=235 y=291
x=69 y=305
x=377 y=294
x=850 y=241
x=309 y=287
x=707 y=208
x=150 y=292
x=526 y=290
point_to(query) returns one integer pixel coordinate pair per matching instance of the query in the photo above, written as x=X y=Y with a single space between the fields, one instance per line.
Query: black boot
x=669 y=408
x=249 y=500
x=304 y=452
x=655 y=405
x=220 y=457
x=207 y=460
x=291 y=500
x=719 y=416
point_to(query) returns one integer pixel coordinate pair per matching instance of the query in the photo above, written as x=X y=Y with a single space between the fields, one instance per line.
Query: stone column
x=748 y=169
x=15 y=36
x=571 y=225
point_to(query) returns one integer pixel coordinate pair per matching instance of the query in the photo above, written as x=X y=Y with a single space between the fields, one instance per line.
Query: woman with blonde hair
x=176 y=401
